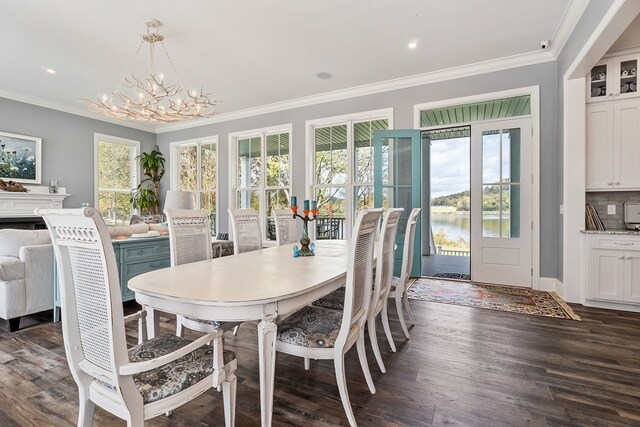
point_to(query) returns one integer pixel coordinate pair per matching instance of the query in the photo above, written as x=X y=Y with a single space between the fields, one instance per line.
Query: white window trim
x=99 y=137
x=534 y=92
x=173 y=169
x=349 y=119
x=234 y=137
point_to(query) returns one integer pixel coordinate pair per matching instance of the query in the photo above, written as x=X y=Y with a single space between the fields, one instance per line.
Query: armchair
x=26 y=274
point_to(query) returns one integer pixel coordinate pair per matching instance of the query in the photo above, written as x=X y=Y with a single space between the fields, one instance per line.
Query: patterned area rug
x=502 y=298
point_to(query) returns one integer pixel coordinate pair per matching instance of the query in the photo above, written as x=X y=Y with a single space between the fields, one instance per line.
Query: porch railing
x=452 y=252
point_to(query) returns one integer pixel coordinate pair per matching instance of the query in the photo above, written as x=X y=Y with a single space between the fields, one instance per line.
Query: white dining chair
x=321 y=333
x=153 y=377
x=190 y=241
x=247 y=233
x=385 y=251
x=286 y=229
x=400 y=284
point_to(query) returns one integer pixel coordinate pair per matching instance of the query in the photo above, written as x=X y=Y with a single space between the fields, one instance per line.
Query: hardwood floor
x=462 y=366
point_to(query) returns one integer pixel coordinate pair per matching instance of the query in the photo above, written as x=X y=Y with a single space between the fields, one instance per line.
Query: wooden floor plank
x=462 y=367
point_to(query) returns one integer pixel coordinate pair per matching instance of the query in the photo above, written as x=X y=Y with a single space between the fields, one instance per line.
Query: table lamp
x=176 y=199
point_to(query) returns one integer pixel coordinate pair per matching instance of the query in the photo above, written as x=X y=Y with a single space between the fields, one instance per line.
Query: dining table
x=264 y=285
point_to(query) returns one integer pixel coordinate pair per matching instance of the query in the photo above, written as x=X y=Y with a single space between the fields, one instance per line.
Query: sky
x=450 y=162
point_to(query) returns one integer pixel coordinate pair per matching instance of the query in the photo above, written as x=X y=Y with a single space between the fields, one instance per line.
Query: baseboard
x=613 y=305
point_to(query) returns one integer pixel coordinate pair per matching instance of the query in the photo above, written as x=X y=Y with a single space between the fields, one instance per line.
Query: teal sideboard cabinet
x=133 y=256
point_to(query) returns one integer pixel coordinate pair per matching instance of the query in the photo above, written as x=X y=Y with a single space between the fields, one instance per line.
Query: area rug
x=492 y=297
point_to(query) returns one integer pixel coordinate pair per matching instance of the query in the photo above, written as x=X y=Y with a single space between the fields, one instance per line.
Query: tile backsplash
x=600 y=200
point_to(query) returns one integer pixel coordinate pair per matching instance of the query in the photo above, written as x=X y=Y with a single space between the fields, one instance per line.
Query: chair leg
x=179 y=326
x=387 y=329
x=403 y=323
x=362 y=355
x=307 y=363
x=235 y=330
x=229 y=398
x=86 y=409
x=373 y=337
x=341 y=379
x=407 y=307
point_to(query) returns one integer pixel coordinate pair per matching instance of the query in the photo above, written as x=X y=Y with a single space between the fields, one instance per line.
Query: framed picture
x=20 y=158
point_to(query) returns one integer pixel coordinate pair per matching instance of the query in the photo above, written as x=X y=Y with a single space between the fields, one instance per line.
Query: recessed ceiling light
x=50 y=70
x=323 y=75
x=413 y=45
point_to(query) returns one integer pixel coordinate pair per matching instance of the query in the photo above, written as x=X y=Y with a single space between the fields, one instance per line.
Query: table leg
x=267 y=355
x=153 y=322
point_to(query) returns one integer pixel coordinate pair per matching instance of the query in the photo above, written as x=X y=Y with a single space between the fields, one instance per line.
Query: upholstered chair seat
x=175 y=376
x=212 y=323
x=311 y=327
x=334 y=301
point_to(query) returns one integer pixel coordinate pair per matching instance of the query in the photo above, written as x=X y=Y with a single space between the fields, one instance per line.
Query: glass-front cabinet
x=615 y=77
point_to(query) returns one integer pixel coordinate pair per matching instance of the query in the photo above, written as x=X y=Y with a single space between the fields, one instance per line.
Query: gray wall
x=67 y=144
x=545 y=75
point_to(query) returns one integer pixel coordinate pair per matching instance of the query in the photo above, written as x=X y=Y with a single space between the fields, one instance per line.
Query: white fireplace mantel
x=20 y=205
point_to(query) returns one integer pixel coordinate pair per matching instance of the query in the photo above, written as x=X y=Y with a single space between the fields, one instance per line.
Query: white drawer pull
x=623 y=244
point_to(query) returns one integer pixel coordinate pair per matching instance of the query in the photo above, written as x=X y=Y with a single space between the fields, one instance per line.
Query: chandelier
x=152 y=98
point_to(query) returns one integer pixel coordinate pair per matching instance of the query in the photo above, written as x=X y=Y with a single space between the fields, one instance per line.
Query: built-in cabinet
x=613 y=145
x=614 y=268
x=615 y=77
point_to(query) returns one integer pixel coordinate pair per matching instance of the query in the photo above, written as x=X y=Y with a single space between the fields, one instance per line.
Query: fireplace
x=24 y=223
x=16 y=209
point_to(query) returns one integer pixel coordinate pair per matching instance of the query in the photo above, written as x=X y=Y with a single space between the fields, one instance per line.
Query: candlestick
x=294 y=201
x=314 y=205
x=307 y=248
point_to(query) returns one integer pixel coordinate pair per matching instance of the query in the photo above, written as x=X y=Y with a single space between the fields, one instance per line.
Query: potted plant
x=145 y=196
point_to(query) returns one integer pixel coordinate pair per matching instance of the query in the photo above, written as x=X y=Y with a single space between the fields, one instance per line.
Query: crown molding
x=570 y=19
x=77 y=111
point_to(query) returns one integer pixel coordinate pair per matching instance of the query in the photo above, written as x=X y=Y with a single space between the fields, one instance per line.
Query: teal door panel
x=397 y=181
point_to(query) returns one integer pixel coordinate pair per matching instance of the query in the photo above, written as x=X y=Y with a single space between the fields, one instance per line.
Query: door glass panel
x=403 y=161
x=387 y=160
x=501 y=183
x=490 y=156
x=599 y=81
x=628 y=76
x=491 y=211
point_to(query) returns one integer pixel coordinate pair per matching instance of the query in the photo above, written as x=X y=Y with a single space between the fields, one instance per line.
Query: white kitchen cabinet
x=613 y=78
x=614 y=268
x=613 y=146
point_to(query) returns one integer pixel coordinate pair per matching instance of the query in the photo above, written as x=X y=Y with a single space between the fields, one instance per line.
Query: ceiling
x=255 y=53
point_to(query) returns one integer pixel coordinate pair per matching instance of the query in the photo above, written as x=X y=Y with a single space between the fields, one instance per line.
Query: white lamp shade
x=175 y=199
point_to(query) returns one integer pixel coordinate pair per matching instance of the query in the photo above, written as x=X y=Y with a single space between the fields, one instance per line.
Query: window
x=195 y=168
x=342 y=166
x=116 y=175
x=261 y=172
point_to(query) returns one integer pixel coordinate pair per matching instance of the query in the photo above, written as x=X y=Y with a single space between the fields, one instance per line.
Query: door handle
x=617 y=183
x=629 y=258
x=621 y=257
x=609 y=183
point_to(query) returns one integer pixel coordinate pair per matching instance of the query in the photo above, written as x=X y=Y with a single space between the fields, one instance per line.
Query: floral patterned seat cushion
x=312 y=327
x=213 y=323
x=176 y=376
x=334 y=301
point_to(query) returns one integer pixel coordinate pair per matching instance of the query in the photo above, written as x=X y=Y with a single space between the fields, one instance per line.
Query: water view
x=456 y=226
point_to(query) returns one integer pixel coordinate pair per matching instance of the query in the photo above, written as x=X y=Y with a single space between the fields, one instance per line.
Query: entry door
x=397 y=178
x=501 y=202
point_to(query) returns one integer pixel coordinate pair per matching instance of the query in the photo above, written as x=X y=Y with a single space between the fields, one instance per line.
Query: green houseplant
x=145 y=196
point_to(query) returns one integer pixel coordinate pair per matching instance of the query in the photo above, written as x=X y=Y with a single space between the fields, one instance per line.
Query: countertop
x=618 y=231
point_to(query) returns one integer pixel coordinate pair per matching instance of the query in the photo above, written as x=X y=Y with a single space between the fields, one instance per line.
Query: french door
x=501 y=226
x=397 y=179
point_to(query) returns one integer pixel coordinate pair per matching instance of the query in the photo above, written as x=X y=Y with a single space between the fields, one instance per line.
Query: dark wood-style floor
x=462 y=366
